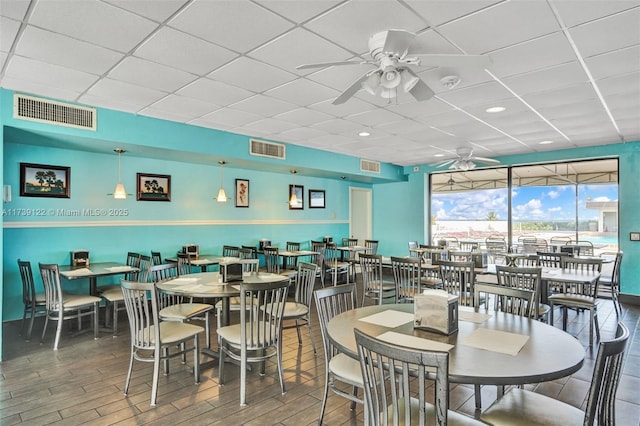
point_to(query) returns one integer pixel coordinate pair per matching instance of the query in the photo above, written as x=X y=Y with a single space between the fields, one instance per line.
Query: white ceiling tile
x=337 y=126
x=304 y=133
x=158 y=11
x=352 y=106
x=375 y=117
x=56 y=76
x=110 y=103
x=626 y=84
x=14 y=9
x=3 y=58
x=232 y=117
x=115 y=91
x=93 y=21
x=270 y=125
x=557 y=99
x=185 y=52
x=8 y=32
x=437 y=12
x=214 y=91
x=420 y=109
x=202 y=122
x=620 y=61
x=182 y=105
x=165 y=115
x=149 y=74
x=606 y=34
x=299 y=10
x=502 y=25
x=401 y=127
x=551 y=78
x=251 y=74
x=304 y=116
x=578 y=12
x=485 y=92
x=303 y=92
x=237 y=25
x=65 y=51
x=41 y=89
x=263 y=105
x=340 y=77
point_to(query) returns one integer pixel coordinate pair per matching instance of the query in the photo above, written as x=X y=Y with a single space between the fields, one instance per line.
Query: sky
x=538 y=203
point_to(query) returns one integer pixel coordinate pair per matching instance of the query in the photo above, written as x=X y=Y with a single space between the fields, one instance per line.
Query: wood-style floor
x=82 y=383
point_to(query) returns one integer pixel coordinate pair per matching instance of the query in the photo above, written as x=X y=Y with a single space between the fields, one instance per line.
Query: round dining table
x=548 y=353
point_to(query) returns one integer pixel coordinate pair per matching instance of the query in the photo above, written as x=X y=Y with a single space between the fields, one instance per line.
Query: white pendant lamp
x=222 y=196
x=294 y=199
x=119 y=193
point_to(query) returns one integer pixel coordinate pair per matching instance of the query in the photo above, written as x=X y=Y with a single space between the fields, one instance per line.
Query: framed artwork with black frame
x=41 y=180
x=316 y=199
x=242 y=193
x=152 y=187
x=298 y=191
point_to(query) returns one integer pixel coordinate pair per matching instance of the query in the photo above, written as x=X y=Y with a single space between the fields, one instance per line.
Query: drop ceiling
x=567 y=71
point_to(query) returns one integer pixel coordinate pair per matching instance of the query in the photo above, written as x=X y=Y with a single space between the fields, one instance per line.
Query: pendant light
x=294 y=199
x=222 y=196
x=119 y=193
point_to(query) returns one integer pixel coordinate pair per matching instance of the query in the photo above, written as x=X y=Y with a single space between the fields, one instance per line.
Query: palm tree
x=492 y=216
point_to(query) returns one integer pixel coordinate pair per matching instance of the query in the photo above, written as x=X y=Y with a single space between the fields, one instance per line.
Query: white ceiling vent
x=52 y=112
x=369 y=166
x=267 y=149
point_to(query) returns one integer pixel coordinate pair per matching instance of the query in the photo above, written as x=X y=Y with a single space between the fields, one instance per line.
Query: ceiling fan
x=466 y=160
x=392 y=60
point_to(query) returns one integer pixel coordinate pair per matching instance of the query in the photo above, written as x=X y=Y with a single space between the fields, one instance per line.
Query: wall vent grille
x=267 y=149
x=369 y=166
x=53 y=112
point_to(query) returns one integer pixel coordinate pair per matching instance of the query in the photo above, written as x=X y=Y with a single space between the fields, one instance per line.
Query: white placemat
x=496 y=341
x=414 y=342
x=196 y=288
x=119 y=268
x=76 y=272
x=184 y=280
x=475 y=317
x=389 y=318
x=200 y=261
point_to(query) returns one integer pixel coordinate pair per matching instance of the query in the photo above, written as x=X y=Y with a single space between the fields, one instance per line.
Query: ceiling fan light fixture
x=388 y=93
x=390 y=79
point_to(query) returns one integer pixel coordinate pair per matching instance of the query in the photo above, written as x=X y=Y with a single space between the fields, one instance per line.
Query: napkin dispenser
x=193 y=250
x=436 y=310
x=264 y=243
x=231 y=272
x=327 y=239
x=80 y=258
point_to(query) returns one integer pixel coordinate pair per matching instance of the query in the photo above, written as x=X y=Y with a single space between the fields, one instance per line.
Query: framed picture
x=316 y=199
x=152 y=187
x=242 y=193
x=298 y=191
x=40 y=180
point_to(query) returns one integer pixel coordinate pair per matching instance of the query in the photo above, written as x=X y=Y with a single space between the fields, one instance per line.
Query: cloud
x=553 y=194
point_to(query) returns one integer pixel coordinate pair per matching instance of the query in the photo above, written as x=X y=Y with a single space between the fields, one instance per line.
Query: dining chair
x=151 y=338
x=259 y=334
x=585 y=248
x=299 y=309
x=246 y=253
x=529 y=278
x=351 y=257
x=496 y=249
x=34 y=303
x=230 y=251
x=339 y=368
x=375 y=286
x=163 y=271
x=254 y=251
x=248 y=265
x=333 y=265
x=524 y=407
x=292 y=262
x=469 y=246
x=390 y=395
x=184 y=263
x=613 y=280
x=64 y=306
x=413 y=245
x=458 y=278
x=272 y=262
x=407 y=277
x=156 y=258
x=318 y=259
x=372 y=246
x=579 y=295
x=528 y=261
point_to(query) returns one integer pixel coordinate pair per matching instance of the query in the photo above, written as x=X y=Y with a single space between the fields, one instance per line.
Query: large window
x=550 y=204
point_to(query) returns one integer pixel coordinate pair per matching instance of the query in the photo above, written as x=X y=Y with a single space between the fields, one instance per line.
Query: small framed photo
x=634 y=236
x=40 y=180
x=316 y=199
x=242 y=193
x=298 y=191
x=151 y=187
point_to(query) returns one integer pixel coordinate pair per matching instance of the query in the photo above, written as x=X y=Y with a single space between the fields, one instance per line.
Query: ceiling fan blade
x=330 y=64
x=353 y=89
x=446 y=163
x=398 y=41
x=485 y=160
x=420 y=91
x=478 y=61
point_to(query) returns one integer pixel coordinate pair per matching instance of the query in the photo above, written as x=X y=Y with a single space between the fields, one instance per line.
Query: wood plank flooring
x=83 y=383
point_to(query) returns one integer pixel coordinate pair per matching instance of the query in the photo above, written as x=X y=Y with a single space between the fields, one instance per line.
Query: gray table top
x=549 y=354
x=206 y=284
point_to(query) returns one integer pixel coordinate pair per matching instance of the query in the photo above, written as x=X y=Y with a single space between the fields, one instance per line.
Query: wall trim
x=208 y=222
x=631 y=299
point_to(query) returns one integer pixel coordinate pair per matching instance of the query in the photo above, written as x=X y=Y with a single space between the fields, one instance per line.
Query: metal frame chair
x=407 y=277
x=299 y=309
x=373 y=282
x=34 y=303
x=458 y=278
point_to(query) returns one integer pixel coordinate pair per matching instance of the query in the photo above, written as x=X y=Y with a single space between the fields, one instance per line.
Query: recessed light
x=545 y=142
x=438 y=155
x=495 y=109
x=364 y=133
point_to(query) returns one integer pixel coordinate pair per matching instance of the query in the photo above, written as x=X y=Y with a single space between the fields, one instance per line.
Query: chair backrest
x=254 y=251
x=156 y=258
x=496 y=249
x=560 y=240
x=585 y=248
x=52 y=288
x=525 y=278
x=271 y=259
x=292 y=262
x=372 y=245
x=549 y=259
x=163 y=271
x=330 y=254
x=460 y=256
x=533 y=246
x=387 y=372
x=349 y=242
x=184 y=263
x=606 y=377
x=305 y=279
x=406 y=275
x=230 y=251
x=141 y=302
x=469 y=246
x=28 y=286
x=246 y=253
x=292 y=246
x=332 y=301
x=517 y=301
x=615 y=276
x=371 y=267
x=458 y=278
x=145 y=264
x=413 y=245
x=592 y=264
x=133 y=260
x=528 y=261
x=317 y=245
x=250 y=265
x=261 y=327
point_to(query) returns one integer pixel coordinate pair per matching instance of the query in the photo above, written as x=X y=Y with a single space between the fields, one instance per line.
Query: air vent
x=52 y=112
x=369 y=166
x=267 y=149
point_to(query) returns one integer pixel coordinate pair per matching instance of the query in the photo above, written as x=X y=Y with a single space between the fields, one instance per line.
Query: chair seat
x=579 y=300
x=231 y=333
x=113 y=294
x=182 y=311
x=346 y=369
x=71 y=301
x=453 y=418
x=431 y=282
x=522 y=407
x=173 y=332
x=295 y=310
x=40 y=299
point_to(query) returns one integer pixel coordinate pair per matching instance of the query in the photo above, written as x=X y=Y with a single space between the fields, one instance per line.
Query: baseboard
x=631 y=299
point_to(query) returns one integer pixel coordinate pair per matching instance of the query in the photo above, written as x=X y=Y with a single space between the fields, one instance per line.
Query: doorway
x=360 y=214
